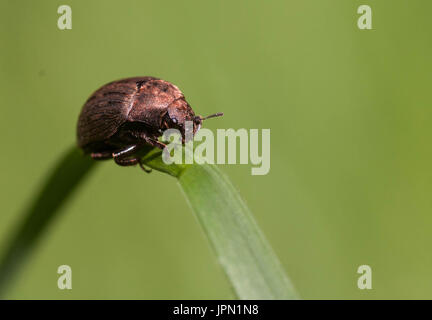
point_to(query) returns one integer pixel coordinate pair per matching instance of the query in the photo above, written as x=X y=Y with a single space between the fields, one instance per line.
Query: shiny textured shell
x=139 y=99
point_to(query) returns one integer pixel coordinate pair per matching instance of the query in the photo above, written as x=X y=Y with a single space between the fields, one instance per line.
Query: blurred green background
x=349 y=112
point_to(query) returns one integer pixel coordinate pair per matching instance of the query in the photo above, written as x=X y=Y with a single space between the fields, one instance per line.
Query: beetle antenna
x=219 y=114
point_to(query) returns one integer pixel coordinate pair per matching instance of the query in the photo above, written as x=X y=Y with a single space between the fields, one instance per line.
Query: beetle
x=126 y=117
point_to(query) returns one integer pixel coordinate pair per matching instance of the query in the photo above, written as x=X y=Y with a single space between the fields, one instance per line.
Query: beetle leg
x=121 y=157
x=125 y=152
x=101 y=155
x=155 y=143
x=124 y=162
x=144 y=168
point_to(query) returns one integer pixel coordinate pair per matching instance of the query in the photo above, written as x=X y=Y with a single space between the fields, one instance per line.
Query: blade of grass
x=59 y=185
x=249 y=262
x=246 y=257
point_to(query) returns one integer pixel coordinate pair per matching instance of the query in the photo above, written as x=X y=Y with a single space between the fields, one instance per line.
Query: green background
x=349 y=112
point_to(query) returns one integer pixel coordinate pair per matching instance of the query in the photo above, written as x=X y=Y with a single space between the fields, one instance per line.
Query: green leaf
x=252 y=268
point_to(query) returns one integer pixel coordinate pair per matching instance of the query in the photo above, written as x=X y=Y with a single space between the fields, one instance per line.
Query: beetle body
x=127 y=116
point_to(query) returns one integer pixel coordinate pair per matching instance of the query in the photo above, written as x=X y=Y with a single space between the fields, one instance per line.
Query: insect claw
x=144 y=168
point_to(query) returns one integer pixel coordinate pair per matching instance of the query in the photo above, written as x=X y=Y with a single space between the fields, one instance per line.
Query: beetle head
x=176 y=116
x=178 y=113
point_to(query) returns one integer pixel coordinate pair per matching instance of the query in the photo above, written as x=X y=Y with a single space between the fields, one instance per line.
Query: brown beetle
x=125 y=117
